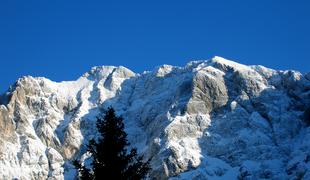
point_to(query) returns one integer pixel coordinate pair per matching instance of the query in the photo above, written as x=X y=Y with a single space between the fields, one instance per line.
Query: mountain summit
x=213 y=119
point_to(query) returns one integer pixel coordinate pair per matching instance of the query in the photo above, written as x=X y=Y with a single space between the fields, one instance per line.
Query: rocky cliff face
x=212 y=119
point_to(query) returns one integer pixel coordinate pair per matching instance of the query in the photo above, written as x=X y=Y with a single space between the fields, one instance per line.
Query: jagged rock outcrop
x=213 y=119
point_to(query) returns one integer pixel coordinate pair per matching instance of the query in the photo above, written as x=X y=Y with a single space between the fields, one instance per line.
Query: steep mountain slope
x=213 y=119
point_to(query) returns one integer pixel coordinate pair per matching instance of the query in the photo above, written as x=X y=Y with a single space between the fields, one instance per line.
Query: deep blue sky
x=62 y=39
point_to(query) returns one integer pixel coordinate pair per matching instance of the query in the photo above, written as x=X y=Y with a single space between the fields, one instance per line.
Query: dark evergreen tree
x=111 y=159
x=84 y=173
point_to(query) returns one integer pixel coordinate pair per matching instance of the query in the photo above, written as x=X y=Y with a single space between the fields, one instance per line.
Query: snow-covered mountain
x=213 y=119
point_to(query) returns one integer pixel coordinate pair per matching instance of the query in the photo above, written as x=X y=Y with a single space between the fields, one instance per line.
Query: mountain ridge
x=211 y=119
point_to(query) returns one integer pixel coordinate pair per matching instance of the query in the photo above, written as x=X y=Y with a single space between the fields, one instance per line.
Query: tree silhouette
x=111 y=159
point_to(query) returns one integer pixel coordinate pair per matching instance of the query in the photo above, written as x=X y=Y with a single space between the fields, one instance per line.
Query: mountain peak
x=210 y=119
x=224 y=64
x=99 y=72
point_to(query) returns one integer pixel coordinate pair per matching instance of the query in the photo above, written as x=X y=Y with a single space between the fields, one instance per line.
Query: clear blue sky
x=62 y=39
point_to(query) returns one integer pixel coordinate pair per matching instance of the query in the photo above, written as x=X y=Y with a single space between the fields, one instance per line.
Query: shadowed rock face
x=210 y=119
